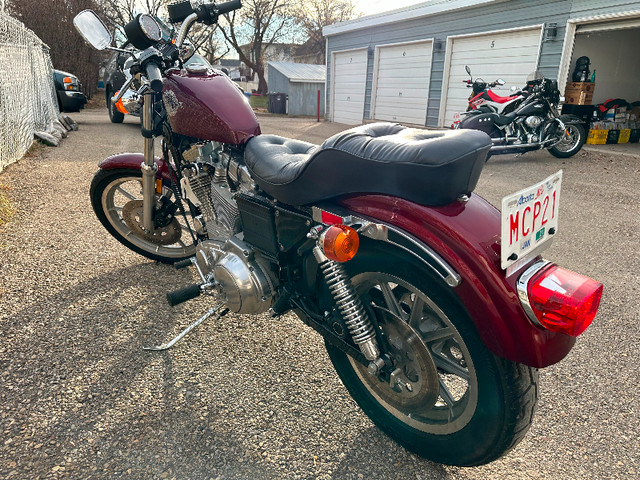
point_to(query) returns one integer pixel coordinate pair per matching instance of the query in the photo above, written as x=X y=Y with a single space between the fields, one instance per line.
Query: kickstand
x=166 y=346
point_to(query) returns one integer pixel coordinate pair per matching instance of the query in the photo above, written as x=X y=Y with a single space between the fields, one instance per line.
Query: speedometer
x=143 y=31
x=150 y=28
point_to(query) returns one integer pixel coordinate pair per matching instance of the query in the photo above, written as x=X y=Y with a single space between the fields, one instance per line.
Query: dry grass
x=7 y=210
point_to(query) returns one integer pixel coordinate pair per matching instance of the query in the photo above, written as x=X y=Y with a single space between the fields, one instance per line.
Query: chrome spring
x=348 y=302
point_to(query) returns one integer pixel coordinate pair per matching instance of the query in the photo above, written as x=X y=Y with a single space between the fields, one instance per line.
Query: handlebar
x=154 y=76
x=229 y=6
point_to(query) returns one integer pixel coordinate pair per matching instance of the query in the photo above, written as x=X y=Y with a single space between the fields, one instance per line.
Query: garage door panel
x=404 y=74
x=511 y=56
x=349 y=83
x=402 y=82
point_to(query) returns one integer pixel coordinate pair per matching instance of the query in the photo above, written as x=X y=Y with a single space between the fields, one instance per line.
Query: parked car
x=68 y=91
x=115 y=76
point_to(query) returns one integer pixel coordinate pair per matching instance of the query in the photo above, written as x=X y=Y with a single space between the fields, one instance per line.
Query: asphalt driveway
x=253 y=398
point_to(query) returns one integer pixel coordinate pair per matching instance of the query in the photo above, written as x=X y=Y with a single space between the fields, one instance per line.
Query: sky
x=370 y=7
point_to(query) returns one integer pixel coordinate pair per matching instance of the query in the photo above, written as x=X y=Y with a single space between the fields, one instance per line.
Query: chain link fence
x=27 y=93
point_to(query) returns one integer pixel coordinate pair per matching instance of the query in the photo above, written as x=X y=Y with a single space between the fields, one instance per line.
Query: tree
x=52 y=22
x=258 y=24
x=313 y=15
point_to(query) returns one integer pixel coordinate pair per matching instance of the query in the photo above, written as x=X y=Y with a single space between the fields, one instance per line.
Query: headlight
x=70 y=83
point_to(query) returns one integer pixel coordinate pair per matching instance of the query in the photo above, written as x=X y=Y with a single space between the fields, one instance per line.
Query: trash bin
x=278 y=103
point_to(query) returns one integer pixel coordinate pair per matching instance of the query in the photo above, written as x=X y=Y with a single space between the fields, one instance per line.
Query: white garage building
x=407 y=65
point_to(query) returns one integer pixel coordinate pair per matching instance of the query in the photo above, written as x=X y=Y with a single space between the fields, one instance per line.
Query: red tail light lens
x=562 y=300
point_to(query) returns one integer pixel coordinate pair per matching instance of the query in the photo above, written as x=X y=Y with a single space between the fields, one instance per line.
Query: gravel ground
x=247 y=397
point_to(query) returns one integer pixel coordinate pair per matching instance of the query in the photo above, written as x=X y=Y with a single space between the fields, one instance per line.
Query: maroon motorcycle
x=435 y=307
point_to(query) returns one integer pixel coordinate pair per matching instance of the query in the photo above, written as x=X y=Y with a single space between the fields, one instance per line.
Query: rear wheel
x=573 y=138
x=466 y=406
x=116 y=196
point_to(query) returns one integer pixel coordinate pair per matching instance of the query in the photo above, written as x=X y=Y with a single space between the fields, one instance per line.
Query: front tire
x=572 y=141
x=482 y=404
x=116 y=197
x=115 y=115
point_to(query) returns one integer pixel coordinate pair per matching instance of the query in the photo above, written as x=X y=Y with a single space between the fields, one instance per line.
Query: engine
x=210 y=182
x=243 y=279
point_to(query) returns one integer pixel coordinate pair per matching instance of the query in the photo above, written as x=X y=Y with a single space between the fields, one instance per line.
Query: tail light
x=559 y=300
x=340 y=243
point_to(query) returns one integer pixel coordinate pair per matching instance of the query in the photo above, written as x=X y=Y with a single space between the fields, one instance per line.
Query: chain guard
x=167 y=235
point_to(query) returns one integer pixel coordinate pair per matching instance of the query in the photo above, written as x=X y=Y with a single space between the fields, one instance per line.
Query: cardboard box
x=625 y=133
x=597 y=137
x=579 y=93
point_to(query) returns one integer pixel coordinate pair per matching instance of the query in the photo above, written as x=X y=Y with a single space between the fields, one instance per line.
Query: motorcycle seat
x=505 y=119
x=426 y=167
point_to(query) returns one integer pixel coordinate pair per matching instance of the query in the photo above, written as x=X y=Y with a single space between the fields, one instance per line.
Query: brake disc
x=167 y=235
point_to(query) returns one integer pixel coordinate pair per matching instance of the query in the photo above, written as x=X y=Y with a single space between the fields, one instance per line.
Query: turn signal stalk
x=340 y=243
x=559 y=300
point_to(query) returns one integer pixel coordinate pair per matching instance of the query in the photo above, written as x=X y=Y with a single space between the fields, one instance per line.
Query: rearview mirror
x=466 y=67
x=500 y=81
x=92 y=29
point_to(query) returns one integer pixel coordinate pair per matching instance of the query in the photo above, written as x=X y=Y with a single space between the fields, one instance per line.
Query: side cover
x=467 y=236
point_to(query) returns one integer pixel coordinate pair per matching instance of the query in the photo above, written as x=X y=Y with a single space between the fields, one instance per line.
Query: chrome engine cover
x=533 y=121
x=242 y=279
x=214 y=177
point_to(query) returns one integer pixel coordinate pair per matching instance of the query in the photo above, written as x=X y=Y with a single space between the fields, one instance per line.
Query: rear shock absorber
x=349 y=305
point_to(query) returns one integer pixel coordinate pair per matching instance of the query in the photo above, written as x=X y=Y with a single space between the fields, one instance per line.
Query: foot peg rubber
x=183 y=264
x=184 y=294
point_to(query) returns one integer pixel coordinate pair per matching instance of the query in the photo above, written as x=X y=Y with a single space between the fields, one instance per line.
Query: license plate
x=529 y=220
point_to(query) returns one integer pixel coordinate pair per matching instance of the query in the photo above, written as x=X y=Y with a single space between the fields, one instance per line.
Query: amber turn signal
x=340 y=243
x=120 y=105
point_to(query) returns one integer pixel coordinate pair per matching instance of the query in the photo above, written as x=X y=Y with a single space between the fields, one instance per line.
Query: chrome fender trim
x=523 y=283
x=398 y=238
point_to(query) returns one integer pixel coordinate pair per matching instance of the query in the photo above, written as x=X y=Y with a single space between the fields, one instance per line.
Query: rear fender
x=466 y=235
x=134 y=161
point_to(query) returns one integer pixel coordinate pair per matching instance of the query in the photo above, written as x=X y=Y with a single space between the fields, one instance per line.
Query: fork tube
x=148 y=167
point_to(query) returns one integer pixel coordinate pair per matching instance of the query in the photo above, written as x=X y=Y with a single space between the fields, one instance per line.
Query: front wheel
x=573 y=137
x=466 y=406
x=115 y=115
x=116 y=197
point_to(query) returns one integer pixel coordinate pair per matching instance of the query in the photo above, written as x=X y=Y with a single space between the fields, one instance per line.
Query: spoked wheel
x=461 y=405
x=116 y=196
x=573 y=138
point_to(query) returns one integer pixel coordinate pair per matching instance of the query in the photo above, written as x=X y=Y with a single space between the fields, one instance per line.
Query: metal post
x=148 y=167
x=318 y=105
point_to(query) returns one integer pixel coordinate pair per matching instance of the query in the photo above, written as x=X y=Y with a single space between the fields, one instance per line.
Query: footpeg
x=183 y=263
x=184 y=294
x=168 y=345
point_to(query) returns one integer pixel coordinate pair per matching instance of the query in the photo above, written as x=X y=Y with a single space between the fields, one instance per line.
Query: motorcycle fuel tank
x=208 y=105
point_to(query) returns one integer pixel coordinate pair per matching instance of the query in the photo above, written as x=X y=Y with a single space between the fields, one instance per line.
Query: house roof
x=301 y=72
x=426 y=9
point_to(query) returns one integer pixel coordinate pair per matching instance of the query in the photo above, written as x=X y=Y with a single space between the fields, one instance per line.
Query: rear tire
x=115 y=115
x=571 y=143
x=484 y=404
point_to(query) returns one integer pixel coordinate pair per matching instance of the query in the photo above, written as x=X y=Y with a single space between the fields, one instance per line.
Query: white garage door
x=349 y=83
x=511 y=56
x=401 y=82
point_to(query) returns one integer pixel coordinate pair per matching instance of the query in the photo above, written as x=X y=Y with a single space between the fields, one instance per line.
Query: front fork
x=148 y=167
